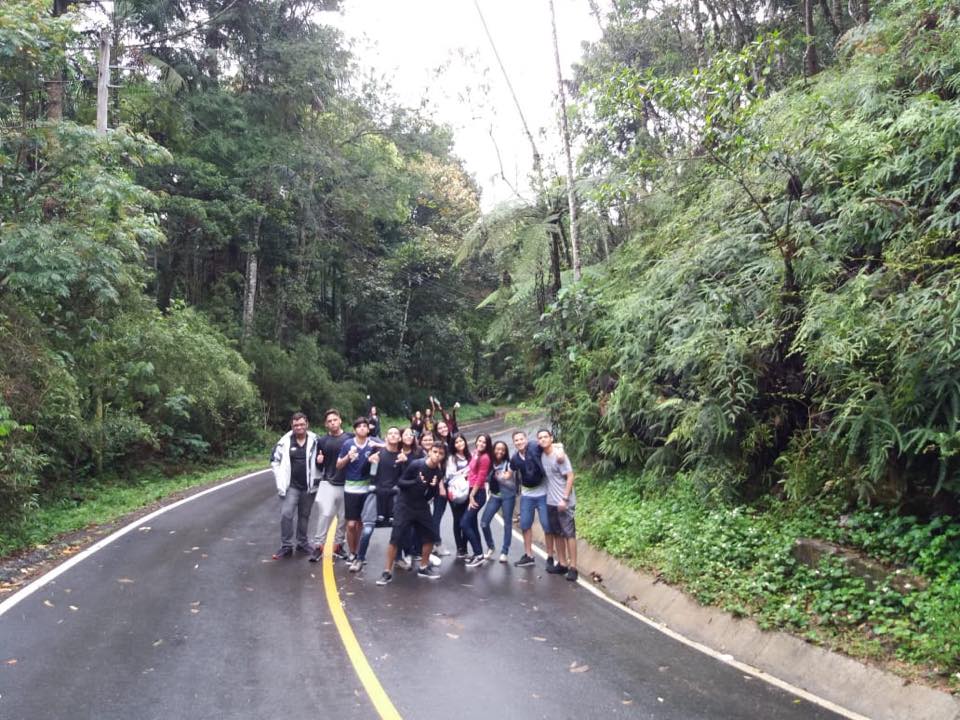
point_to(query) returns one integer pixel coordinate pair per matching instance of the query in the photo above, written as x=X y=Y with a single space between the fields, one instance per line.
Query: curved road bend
x=187 y=617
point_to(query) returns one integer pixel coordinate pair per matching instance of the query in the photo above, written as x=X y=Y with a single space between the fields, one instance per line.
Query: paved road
x=187 y=617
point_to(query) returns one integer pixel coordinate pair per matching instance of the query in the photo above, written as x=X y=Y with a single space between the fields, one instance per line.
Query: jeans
x=530 y=504
x=439 y=505
x=300 y=503
x=469 y=521
x=507 y=501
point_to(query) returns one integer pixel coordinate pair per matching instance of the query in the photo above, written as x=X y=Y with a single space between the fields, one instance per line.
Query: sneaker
x=384 y=578
x=476 y=561
x=403 y=562
x=356 y=565
x=282 y=553
x=339 y=553
x=462 y=553
x=503 y=557
x=525 y=561
x=488 y=554
x=572 y=574
x=350 y=558
x=550 y=562
x=305 y=549
x=317 y=554
x=435 y=560
x=557 y=569
x=428 y=573
x=441 y=551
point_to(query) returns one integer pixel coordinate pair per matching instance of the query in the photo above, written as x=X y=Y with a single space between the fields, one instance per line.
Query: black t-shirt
x=298 y=464
x=419 y=483
x=388 y=471
x=330 y=447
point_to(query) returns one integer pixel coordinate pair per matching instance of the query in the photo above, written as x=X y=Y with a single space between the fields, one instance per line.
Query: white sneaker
x=475 y=561
x=403 y=563
x=488 y=554
x=503 y=557
x=435 y=560
x=441 y=551
x=356 y=565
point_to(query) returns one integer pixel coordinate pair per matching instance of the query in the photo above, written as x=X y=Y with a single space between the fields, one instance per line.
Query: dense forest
x=256 y=232
x=755 y=312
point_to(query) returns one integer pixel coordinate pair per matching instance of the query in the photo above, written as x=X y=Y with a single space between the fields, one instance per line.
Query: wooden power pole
x=103 y=81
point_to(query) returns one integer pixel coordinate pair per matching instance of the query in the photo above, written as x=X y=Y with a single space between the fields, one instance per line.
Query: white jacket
x=280 y=461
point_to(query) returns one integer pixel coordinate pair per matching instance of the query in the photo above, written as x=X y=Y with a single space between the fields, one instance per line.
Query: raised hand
x=401 y=457
x=319 y=457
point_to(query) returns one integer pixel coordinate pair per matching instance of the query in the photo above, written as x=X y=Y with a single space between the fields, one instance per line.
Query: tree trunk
x=565 y=130
x=103 y=82
x=406 y=314
x=810 y=63
x=828 y=14
x=55 y=91
x=555 y=262
x=250 y=292
x=698 y=41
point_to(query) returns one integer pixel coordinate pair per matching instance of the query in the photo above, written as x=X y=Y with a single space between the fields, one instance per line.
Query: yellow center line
x=378 y=695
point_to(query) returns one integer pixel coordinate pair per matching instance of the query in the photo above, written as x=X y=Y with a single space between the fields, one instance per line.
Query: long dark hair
x=453 y=445
x=487 y=446
x=414 y=445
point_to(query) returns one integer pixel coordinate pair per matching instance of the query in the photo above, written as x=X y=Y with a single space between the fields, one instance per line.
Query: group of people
x=406 y=480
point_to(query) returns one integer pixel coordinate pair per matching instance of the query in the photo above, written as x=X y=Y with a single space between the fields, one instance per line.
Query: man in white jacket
x=294 y=463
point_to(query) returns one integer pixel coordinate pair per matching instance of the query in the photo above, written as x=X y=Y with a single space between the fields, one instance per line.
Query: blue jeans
x=468 y=523
x=507 y=502
x=527 y=507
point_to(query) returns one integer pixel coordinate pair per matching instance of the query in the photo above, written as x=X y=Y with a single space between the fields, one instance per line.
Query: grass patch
x=738 y=557
x=95 y=503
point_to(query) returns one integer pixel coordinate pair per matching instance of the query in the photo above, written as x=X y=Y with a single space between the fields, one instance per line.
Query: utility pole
x=103 y=81
x=571 y=193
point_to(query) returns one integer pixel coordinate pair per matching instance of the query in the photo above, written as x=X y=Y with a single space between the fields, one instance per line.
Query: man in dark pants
x=421 y=480
x=294 y=470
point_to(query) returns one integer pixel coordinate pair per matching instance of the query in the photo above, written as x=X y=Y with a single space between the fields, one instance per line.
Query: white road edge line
x=724 y=658
x=43 y=580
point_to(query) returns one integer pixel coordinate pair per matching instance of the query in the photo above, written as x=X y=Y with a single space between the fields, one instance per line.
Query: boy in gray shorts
x=561 y=501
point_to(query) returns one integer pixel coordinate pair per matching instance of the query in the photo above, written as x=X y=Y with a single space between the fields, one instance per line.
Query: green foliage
x=739 y=558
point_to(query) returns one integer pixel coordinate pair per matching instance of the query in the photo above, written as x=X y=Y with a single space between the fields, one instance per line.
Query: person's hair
x=518 y=432
x=440 y=447
x=544 y=430
x=488 y=446
x=361 y=421
x=331 y=411
x=414 y=446
x=466 y=445
x=373 y=409
x=428 y=411
x=431 y=433
x=506 y=450
x=298 y=416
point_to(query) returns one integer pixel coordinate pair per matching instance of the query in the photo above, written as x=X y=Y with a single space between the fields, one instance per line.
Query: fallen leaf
x=194 y=610
x=659 y=699
x=173 y=532
x=196 y=566
x=144 y=528
x=125 y=581
x=579 y=668
x=626 y=702
x=228 y=539
x=158 y=643
x=195 y=547
x=204 y=555
x=11 y=661
x=538 y=639
x=74 y=608
x=452 y=636
x=48 y=603
x=248 y=589
x=196 y=604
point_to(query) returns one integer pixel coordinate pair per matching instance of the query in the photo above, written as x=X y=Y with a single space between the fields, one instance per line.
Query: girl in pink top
x=480 y=465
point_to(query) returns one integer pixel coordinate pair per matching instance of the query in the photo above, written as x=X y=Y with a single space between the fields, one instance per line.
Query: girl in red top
x=480 y=465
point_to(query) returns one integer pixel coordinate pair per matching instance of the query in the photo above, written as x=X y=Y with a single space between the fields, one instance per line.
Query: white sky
x=409 y=41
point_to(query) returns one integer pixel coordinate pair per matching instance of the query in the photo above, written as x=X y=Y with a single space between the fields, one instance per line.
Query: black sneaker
x=550 y=562
x=525 y=561
x=572 y=574
x=317 y=554
x=557 y=569
x=427 y=572
x=384 y=578
x=350 y=558
x=339 y=553
x=475 y=561
x=305 y=549
x=282 y=553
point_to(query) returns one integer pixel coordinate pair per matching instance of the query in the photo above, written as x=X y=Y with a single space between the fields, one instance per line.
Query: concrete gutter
x=851 y=684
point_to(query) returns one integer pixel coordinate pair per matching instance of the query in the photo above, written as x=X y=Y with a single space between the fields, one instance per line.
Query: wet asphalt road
x=187 y=617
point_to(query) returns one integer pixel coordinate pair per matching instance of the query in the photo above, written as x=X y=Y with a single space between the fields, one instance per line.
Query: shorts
x=530 y=504
x=563 y=523
x=405 y=518
x=353 y=505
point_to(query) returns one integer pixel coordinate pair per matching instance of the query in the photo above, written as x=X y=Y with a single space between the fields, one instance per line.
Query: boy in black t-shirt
x=420 y=482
